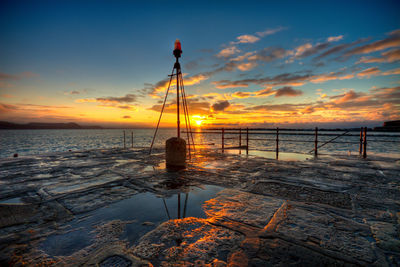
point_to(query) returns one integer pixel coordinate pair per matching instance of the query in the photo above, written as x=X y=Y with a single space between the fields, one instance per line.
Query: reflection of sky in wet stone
x=144 y=211
x=105 y=207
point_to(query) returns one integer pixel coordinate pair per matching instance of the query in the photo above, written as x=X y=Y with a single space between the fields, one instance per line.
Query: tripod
x=180 y=94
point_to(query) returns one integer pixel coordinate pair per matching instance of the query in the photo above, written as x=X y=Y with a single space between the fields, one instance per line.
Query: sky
x=245 y=63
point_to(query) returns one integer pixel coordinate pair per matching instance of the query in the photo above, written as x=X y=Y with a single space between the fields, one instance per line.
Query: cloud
x=391 y=72
x=269 y=54
x=126 y=117
x=270 y=31
x=128 y=107
x=346 y=97
x=161 y=86
x=265 y=92
x=287 y=91
x=242 y=94
x=229 y=51
x=7 y=96
x=243 y=57
x=369 y=72
x=285 y=79
x=247 y=38
x=128 y=98
x=276 y=107
x=112 y=101
x=30 y=108
x=74 y=92
x=307 y=49
x=195 y=106
x=391 y=93
x=7 y=108
x=335 y=38
x=330 y=76
x=387 y=57
x=220 y=106
x=247 y=66
x=300 y=50
x=392 y=41
x=308 y=110
x=224 y=84
x=5 y=76
x=22 y=75
x=339 y=48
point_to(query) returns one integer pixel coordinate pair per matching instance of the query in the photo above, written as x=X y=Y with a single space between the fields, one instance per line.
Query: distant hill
x=389 y=126
x=42 y=125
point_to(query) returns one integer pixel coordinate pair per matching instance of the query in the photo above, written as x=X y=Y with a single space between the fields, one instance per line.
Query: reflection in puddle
x=158 y=167
x=272 y=154
x=142 y=212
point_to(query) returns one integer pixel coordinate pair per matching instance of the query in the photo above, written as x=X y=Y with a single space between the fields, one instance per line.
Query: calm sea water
x=30 y=142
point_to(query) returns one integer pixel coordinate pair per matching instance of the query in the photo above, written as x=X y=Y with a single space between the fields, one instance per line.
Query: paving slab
x=121 y=207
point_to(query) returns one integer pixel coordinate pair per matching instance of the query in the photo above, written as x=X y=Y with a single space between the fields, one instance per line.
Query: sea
x=34 y=142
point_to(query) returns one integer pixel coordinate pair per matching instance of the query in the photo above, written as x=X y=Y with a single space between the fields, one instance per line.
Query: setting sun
x=198 y=120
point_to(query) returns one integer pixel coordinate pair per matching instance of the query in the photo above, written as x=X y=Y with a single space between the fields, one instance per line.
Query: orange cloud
x=387 y=57
x=247 y=38
x=247 y=66
x=242 y=94
x=392 y=41
x=229 y=51
x=223 y=84
x=369 y=72
x=335 y=38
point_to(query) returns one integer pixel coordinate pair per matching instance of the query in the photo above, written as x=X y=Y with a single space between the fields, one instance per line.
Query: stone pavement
x=334 y=210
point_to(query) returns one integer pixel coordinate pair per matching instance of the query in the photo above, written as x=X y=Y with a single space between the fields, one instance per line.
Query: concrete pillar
x=175 y=153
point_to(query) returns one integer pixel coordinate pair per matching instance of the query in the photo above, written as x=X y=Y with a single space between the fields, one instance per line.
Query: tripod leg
x=187 y=112
x=162 y=110
x=186 y=121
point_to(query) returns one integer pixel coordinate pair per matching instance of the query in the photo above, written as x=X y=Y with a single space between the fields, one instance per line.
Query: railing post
x=240 y=140
x=124 y=140
x=365 y=143
x=132 y=139
x=316 y=142
x=223 y=140
x=277 y=143
x=361 y=141
x=179 y=205
x=247 y=140
x=240 y=137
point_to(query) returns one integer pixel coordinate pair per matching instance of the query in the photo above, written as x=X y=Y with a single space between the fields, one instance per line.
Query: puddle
x=63 y=189
x=272 y=155
x=143 y=212
x=159 y=167
x=15 y=200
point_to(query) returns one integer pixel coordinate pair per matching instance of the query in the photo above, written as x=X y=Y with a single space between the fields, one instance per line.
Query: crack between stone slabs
x=86 y=189
x=325 y=252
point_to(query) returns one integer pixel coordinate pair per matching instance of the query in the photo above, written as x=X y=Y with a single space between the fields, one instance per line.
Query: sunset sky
x=253 y=63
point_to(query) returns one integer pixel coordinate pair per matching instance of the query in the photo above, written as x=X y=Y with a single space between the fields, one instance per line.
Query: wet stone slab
x=121 y=207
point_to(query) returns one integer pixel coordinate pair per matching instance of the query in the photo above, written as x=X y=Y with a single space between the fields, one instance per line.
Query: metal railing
x=238 y=131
